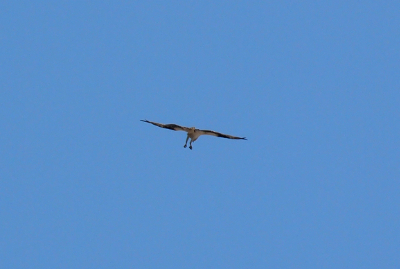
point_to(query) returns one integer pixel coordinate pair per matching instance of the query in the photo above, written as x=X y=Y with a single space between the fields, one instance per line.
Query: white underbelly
x=194 y=135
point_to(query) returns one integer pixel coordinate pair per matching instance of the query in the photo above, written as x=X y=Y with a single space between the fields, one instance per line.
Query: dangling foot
x=184 y=146
x=190 y=147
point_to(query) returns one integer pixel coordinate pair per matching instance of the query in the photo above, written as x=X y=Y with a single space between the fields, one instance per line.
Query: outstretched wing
x=208 y=132
x=168 y=126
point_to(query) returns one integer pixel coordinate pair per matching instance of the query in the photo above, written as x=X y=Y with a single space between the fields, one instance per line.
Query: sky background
x=313 y=85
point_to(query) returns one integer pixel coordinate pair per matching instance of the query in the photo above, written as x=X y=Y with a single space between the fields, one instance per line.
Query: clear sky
x=313 y=85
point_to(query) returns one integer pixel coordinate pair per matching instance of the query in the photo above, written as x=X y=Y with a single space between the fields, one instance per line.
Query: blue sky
x=313 y=85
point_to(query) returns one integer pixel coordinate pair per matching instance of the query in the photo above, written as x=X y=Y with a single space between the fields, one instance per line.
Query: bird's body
x=192 y=132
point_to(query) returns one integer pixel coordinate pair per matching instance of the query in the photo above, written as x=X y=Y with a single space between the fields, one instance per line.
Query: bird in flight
x=192 y=132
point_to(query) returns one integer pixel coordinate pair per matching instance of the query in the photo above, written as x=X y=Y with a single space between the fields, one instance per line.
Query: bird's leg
x=187 y=138
x=190 y=146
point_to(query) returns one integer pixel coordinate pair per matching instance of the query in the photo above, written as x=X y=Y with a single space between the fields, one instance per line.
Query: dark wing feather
x=168 y=126
x=214 y=133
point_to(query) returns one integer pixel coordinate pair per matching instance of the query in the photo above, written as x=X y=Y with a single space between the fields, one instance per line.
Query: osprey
x=192 y=132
